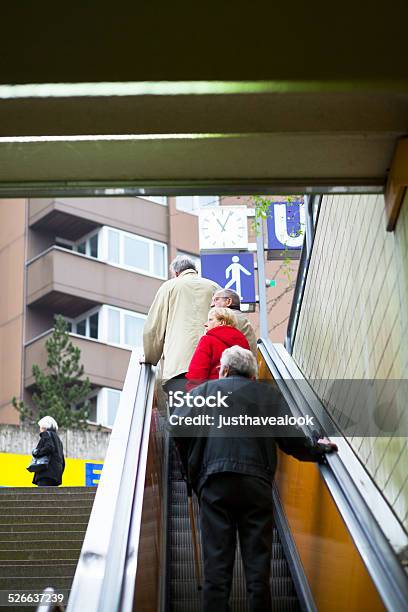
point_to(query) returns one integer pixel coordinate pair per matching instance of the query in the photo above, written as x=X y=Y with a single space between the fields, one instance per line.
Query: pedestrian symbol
x=231 y=271
x=235 y=270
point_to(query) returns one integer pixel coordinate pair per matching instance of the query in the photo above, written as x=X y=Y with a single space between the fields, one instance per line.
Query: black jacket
x=247 y=449
x=50 y=445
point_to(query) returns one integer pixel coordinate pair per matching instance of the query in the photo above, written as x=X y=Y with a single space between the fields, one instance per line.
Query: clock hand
x=226 y=221
x=221 y=225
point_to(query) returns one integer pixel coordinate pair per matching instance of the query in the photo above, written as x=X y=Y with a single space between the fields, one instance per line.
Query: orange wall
x=334 y=568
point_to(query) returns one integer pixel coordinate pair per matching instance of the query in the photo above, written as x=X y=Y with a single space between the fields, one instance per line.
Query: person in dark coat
x=51 y=446
x=232 y=471
x=221 y=333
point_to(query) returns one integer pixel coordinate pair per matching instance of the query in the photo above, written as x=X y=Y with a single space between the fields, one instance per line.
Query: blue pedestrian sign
x=231 y=271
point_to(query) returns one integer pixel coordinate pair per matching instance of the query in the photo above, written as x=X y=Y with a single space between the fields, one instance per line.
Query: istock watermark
x=177 y=399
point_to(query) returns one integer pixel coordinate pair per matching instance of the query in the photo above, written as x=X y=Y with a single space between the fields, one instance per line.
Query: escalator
x=183 y=595
x=329 y=553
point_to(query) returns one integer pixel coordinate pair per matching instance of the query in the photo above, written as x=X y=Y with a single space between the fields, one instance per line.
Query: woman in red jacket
x=221 y=334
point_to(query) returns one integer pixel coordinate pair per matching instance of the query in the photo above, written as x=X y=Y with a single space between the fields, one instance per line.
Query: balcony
x=72 y=218
x=68 y=283
x=105 y=364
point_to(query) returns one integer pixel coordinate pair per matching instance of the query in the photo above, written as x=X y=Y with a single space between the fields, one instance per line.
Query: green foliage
x=263 y=211
x=63 y=387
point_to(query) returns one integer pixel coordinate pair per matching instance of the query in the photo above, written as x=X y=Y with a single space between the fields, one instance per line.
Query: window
x=65 y=244
x=102 y=406
x=107 y=405
x=113 y=325
x=159 y=259
x=124 y=327
x=113 y=398
x=156 y=199
x=88 y=245
x=113 y=246
x=138 y=253
x=110 y=324
x=93 y=325
x=86 y=324
x=93 y=246
x=80 y=328
x=93 y=409
x=192 y=204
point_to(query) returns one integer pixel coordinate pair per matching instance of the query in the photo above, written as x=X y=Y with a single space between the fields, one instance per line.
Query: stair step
x=50 y=536
x=186 y=571
x=50 y=526
x=35 y=499
x=44 y=545
x=47 y=508
x=60 y=554
x=40 y=568
x=44 y=517
x=38 y=583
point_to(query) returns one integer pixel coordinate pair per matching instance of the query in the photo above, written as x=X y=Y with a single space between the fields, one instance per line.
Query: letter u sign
x=286 y=224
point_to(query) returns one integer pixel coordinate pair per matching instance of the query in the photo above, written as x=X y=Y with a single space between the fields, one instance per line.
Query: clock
x=223 y=227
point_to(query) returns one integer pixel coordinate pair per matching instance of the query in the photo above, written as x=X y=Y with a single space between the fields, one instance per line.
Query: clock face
x=223 y=227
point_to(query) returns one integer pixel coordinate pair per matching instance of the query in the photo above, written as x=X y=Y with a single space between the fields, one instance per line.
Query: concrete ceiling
x=200 y=99
x=277 y=139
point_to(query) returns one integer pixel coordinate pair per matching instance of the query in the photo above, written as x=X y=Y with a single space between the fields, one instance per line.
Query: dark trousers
x=46 y=482
x=231 y=502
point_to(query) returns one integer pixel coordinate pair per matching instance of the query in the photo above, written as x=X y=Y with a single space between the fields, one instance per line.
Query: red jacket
x=206 y=357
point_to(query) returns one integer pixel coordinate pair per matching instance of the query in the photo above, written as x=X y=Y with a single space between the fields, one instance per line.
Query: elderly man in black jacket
x=230 y=453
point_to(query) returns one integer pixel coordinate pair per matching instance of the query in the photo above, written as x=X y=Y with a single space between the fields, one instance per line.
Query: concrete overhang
x=105 y=365
x=73 y=218
x=254 y=136
x=68 y=283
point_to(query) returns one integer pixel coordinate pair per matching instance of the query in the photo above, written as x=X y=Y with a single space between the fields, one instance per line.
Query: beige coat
x=244 y=326
x=175 y=322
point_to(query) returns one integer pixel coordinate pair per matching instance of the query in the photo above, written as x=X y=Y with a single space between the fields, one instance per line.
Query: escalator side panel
x=334 y=568
x=150 y=570
x=336 y=573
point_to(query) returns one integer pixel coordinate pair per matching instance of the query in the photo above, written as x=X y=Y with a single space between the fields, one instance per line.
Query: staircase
x=41 y=534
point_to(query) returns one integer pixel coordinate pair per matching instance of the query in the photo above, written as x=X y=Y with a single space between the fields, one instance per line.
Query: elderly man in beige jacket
x=176 y=318
x=227 y=298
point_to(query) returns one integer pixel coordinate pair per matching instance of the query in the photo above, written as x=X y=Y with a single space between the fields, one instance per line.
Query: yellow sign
x=77 y=473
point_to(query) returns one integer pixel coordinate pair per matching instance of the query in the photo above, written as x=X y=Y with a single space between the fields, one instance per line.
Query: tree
x=63 y=388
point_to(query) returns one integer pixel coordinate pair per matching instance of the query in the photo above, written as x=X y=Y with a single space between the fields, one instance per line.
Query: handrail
x=302 y=271
x=104 y=580
x=370 y=540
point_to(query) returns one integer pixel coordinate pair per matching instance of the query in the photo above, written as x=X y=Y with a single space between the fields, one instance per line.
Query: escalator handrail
x=106 y=570
x=379 y=557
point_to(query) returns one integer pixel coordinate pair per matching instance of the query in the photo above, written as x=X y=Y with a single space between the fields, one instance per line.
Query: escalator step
x=183 y=593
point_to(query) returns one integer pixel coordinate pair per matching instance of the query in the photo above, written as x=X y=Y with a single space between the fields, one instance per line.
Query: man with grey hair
x=228 y=298
x=176 y=318
x=232 y=471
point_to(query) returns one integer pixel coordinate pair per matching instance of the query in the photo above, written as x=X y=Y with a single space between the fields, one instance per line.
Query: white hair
x=48 y=423
x=181 y=263
x=239 y=361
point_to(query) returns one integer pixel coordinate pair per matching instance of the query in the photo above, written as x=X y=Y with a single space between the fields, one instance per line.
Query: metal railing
x=310 y=203
x=342 y=474
x=105 y=577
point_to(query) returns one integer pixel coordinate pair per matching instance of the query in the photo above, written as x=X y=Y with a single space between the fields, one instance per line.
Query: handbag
x=38 y=464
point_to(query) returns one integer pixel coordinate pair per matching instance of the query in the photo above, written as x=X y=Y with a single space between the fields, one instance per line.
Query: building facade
x=98 y=262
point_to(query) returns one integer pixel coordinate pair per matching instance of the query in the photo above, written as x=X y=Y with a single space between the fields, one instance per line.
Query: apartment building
x=99 y=262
